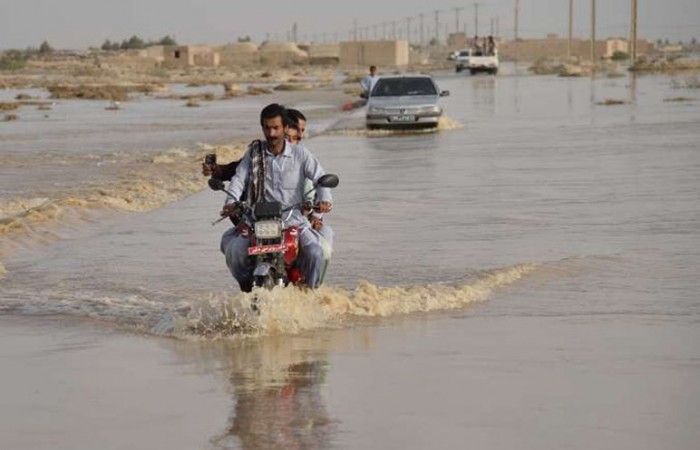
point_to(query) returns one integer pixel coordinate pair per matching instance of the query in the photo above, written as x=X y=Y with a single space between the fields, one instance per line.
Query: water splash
x=127 y=182
x=291 y=310
x=444 y=124
x=197 y=315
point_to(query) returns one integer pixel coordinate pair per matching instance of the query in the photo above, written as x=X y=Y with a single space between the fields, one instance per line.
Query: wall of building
x=239 y=54
x=324 y=53
x=557 y=48
x=281 y=53
x=182 y=56
x=457 y=41
x=377 y=53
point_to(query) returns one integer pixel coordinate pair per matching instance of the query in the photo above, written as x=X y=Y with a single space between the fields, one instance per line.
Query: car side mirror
x=445 y=94
x=364 y=95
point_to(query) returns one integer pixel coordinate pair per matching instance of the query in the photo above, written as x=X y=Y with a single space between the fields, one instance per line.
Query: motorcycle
x=274 y=249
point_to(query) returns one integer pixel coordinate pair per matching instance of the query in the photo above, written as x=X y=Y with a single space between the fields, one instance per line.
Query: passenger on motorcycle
x=295 y=133
x=276 y=170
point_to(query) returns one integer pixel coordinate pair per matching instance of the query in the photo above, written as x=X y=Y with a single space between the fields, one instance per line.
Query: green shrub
x=13 y=60
x=620 y=56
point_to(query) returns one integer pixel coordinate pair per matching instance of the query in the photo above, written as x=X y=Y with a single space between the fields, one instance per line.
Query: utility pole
x=437 y=26
x=571 y=25
x=491 y=33
x=422 y=36
x=457 y=10
x=408 y=30
x=593 y=32
x=384 y=31
x=633 y=37
x=393 y=30
x=354 y=30
x=516 y=29
x=476 y=19
x=375 y=32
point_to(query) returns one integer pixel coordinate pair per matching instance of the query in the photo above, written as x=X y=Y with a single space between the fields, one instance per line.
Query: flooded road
x=528 y=280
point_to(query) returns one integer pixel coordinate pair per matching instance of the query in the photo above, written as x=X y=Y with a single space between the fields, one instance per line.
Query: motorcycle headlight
x=268 y=229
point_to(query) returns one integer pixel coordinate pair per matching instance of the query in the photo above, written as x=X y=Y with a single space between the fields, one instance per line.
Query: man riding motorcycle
x=275 y=170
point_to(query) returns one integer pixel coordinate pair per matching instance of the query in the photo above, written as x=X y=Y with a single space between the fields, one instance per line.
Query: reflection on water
x=278 y=387
x=290 y=414
x=485 y=90
x=633 y=94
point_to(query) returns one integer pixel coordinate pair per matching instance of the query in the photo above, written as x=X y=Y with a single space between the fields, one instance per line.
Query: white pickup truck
x=476 y=61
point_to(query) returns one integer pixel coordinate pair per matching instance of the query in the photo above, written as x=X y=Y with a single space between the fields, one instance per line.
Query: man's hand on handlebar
x=231 y=209
x=324 y=207
x=210 y=169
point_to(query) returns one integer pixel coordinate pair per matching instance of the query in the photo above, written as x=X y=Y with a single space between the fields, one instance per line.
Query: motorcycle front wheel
x=267 y=281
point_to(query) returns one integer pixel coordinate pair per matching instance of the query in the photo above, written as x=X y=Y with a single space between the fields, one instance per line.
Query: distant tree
x=433 y=42
x=694 y=41
x=107 y=45
x=167 y=40
x=667 y=42
x=116 y=45
x=136 y=42
x=45 y=48
x=245 y=38
x=619 y=56
x=659 y=42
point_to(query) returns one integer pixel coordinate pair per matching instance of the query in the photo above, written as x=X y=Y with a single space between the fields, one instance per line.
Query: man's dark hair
x=274 y=110
x=372 y=67
x=295 y=116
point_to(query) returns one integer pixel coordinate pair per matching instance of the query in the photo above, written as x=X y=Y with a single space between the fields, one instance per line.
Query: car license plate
x=258 y=250
x=402 y=118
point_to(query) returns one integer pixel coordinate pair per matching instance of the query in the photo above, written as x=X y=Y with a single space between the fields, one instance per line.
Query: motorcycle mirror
x=328 y=180
x=216 y=184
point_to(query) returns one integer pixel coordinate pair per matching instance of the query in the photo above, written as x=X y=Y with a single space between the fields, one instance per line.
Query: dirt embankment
x=102 y=91
x=42 y=73
x=666 y=64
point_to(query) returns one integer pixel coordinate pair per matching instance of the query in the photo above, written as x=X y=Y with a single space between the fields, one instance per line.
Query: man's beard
x=271 y=141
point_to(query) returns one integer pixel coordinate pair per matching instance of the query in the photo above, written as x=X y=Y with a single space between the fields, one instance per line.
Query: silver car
x=408 y=101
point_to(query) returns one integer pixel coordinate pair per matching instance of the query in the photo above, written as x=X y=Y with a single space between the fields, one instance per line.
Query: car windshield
x=394 y=87
x=464 y=53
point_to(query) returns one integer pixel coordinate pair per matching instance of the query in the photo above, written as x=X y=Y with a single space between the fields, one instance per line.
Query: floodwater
x=526 y=280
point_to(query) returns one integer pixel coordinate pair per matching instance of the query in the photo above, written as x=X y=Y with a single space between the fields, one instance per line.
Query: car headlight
x=268 y=229
x=376 y=110
x=431 y=109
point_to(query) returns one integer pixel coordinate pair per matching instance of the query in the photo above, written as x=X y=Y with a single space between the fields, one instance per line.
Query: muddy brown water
x=528 y=280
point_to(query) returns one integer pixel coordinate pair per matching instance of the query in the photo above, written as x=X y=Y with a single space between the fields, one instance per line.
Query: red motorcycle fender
x=291 y=239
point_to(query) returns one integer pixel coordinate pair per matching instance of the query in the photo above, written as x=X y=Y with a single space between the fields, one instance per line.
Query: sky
x=79 y=24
